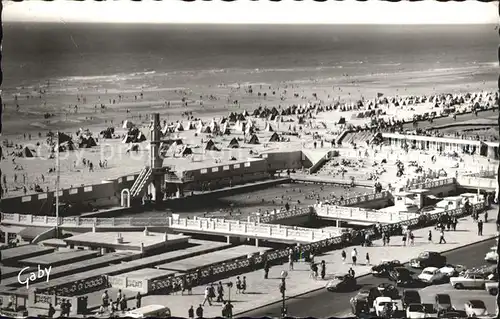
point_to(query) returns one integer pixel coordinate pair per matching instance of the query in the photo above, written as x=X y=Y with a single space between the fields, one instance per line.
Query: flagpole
x=57 y=185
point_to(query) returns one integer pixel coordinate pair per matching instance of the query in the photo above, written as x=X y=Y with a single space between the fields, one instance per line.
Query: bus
x=155 y=311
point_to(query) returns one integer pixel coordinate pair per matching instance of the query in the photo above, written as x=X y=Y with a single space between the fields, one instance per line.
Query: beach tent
x=239 y=126
x=199 y=124
x=189 y=126
x=232 y=117
x=27 y=152
x=256 y=112
x=179 y=127
x=274 y=138
x=234 y=143
x=62 y=137
x=213 y=126
x=249 y=130
x=127 y=124
x=240 y=117
x=108 y=133
x=186 y=151
x=268 y=128
x=199 y=130
x=245 y=113
x=87 y=142
x=210 y=146
x=341 y=120
x=222 y=120
x=167 y=129
x=253 y=140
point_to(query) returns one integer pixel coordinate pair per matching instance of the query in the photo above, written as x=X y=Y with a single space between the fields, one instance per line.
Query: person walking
x=429 y=236
x=238 y=284
x=323 y=270
x=199 y=311
x=207 y=299
x=486 y=216
x=351 y=272
x=368 y=259
x=138 y=300
x=412 y=238
x=404 y=239
x=344 y=256
x=290 y=262
x=354 y=256
x=191 y=312
x=266 y=269
x=244 y=284
x=455 y=222
x=441 y=238
x=480 y=227
x=220 y=292
x=52 y=311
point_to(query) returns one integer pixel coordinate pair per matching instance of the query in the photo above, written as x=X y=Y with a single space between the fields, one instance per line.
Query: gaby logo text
x=25 y=278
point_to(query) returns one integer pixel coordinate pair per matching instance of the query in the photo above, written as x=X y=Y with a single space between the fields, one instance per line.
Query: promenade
x=261 y=292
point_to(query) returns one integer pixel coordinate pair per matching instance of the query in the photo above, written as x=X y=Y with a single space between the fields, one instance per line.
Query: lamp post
x=282 y=287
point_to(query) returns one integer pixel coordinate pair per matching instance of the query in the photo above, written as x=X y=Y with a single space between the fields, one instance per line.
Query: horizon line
x=248 y=23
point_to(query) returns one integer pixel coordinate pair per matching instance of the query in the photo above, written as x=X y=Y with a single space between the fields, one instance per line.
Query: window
x=226 y=167
x=247 y=164
x=203 y=171
x=215 y=169
x=87 y=189
x=236 y=166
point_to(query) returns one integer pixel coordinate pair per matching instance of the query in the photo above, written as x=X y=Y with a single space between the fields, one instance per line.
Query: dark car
x=385 y=267
x=411 y=296
x=359 y=304
x=442 y=303
x=388 y=290
x=373 y=294
x=342 y=282
x=401 y=276
x=453 y=314
x=428 y=259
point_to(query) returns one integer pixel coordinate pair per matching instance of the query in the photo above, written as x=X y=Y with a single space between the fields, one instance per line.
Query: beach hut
x=234 y=143
x=127 y=124
x=210 y=146
x=268 y=128
x=179 y=127
x=274 y=138
x=253 y=140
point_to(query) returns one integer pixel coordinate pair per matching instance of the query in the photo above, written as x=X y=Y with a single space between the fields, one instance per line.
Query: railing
x=478 y=182
x=250 y=229
x=140 y=182
x=355 y=213
x=279 y=215
x=433 y=184
x=362 y=198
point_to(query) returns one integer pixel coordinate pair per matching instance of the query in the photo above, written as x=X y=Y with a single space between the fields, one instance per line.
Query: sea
x=76 y=57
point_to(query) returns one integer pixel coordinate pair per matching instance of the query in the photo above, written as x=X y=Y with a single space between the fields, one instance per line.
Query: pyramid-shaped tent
x=225 y=128
x=234 y=143
x=179 y=127
x=210 y=146
x=186 y=151
x=27 y=152
x=239 y=126
x=274 y=138
x=254 y=140
x=268 y=128
x=127 y=124
x=245 y=113
x=190 y=126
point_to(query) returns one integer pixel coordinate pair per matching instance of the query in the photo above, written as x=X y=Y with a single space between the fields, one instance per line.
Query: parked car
x=471 y=281
x=452 y=270
x=492 y=255
x=401 y=276
x=432 y=275
x=411 y=297
x=428 y=259
x=442 y=303
x=385 y=267
x=380 y=303
x=359 y=303
x=415 y=311
x=388 y=290
x=430 y=312
x=453 y=314
x=475 y=308
x=342 y=282
x=491 y=288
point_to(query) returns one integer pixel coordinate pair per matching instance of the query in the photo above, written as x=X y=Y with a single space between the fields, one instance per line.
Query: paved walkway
x=261 y=292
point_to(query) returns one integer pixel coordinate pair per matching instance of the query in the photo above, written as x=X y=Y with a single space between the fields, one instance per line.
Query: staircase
x=357 y=137
x=141 y=182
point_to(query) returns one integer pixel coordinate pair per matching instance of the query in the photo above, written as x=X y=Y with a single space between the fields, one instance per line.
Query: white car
x=492 y=255
x=380 y=302
x=432 y=275
x=475 y=308
x=452 y=270
x=415 y=311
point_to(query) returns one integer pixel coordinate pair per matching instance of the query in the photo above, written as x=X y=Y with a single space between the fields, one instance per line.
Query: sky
x=253 y=12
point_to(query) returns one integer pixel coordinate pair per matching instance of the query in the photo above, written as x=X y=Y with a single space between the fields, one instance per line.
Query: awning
x=29 y=233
